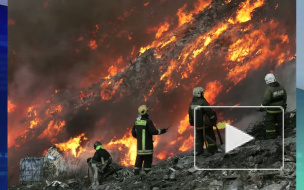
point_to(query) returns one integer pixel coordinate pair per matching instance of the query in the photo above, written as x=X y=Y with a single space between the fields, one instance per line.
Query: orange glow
x=127 y=145
x=164 y=154
x=53 y=129
x=213 y=89
x=256 y=45
x=184 y=125
x=172 y=39
x=212 y=35
x=187 y=144
x=92 y=44
x=185 y=17
x=112 y=70
x=10 y=106
x=54 y=109
x=222 y=125
x=34 y=123
x=244 y=14
x=73 y=145
x=163 y=28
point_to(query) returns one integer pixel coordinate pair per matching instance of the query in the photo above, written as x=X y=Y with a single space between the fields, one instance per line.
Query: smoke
x=70 y=45
x=51 y=40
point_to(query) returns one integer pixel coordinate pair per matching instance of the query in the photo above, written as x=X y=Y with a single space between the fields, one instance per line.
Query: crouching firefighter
x=143 y=130
x=205 y=120
x=99 y=164
x=275 y=95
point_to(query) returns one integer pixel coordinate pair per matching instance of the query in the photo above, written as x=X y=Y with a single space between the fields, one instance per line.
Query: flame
x=127 y=145
x=10 y=106
x=243 y=53
x=34 y=123
x=256 y=45
x=213 y=89
x=163 y=155
x=187 y=144
x=54 y=109
x=112 y=70
x=222 y=124
x=245 y=13
x=184 y=125
x=53 y=129
x=73 y=145
x=163 y=28
x=185 y=17
x=92 y=44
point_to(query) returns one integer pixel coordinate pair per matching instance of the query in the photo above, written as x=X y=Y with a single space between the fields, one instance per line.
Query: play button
x=235 y=138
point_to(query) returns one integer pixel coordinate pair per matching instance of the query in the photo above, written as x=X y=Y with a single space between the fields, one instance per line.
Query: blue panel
x=3 y=97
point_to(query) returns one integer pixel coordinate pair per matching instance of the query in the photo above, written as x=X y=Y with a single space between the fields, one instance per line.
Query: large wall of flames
x=225 y=47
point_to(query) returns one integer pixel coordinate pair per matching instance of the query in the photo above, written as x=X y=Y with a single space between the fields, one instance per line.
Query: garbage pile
x=178 y=171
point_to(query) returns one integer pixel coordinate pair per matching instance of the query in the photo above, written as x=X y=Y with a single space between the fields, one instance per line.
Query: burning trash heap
x=177 y=172
x=232 y=40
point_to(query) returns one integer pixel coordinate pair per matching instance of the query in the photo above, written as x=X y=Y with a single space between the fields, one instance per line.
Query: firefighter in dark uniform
x=275 y=95
x=205 y=120
x=99 y=163
x=143 y=130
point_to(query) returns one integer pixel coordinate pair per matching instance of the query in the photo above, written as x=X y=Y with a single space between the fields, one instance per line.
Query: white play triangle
x=235 y=138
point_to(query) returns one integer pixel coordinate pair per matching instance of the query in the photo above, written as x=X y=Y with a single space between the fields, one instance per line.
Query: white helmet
x=270 y=78
x=197 y=91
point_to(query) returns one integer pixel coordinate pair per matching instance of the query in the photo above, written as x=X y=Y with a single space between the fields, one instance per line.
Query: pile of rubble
x=178 y=172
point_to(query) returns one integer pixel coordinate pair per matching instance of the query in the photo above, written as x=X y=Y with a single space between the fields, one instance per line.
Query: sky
x=3 y=2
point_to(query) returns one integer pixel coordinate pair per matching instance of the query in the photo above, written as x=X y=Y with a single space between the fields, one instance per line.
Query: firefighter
x=99 y=163
x=143 y=130
x=205 y=120
x=275 y=95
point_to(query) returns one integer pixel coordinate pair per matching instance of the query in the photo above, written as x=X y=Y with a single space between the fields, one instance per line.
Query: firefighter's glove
x=89 y=159
x=163 y=131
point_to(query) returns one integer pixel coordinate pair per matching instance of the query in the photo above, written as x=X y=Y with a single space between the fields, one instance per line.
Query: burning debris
x=222 y=46
x=177 y=172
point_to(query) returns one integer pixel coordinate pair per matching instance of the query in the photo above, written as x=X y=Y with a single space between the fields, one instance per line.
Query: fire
x=184 y=125
x=54 y=109
x=34 y=123
x=184 y=16
x=256 y=45
x=127 y=145
x=187 y=144
x=10 y=106
x=163 y=28
x=212 y=91
x=222 y=124
x=164 y=154
x=244 y=14
x=73 y=145
x=112 y=70
x=92 y=44
x=53 y=129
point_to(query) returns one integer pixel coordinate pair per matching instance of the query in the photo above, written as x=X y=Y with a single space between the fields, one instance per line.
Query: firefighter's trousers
x=199 y=142
x=140 y=159
x=273 y=124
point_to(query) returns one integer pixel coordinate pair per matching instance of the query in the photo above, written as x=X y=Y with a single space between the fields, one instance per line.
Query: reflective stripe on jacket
x=144 y=130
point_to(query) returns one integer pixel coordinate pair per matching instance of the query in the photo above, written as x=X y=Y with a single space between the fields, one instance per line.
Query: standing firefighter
x=143 y=130
x=275 y=95
x=205 y=120
x=100 y=162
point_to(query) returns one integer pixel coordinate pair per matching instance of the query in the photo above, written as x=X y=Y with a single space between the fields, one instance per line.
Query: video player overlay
x=243 y=138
